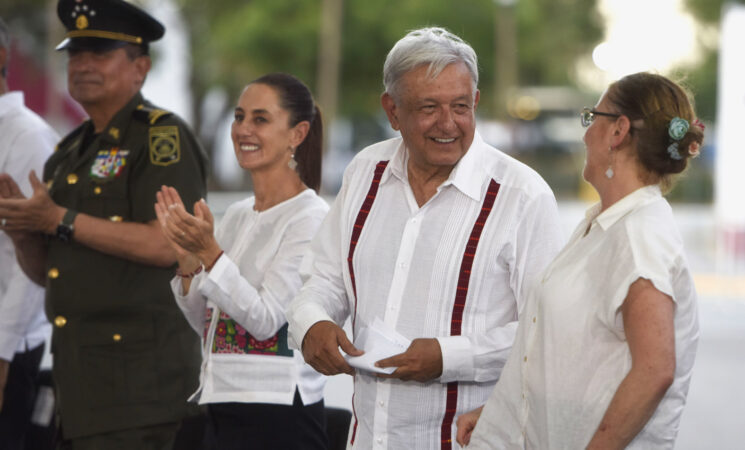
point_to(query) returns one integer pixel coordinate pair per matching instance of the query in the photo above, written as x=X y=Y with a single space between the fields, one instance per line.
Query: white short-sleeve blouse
x=571 y=354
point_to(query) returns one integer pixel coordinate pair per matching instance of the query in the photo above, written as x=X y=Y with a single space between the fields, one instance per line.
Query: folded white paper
x=378 y=341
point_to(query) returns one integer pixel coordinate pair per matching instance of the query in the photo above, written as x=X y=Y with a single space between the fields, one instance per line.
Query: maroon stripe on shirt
x=356 y=231
x=446 y=439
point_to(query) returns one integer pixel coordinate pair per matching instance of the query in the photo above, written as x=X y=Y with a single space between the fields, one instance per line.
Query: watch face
x=64 y=232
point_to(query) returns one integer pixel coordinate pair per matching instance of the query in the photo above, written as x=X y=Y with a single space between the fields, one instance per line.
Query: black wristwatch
x=66 y=228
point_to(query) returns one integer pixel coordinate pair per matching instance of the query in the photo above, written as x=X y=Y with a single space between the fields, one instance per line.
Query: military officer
x=125 y=360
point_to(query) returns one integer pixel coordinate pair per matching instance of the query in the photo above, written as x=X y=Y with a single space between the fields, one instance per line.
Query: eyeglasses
x=587 y=116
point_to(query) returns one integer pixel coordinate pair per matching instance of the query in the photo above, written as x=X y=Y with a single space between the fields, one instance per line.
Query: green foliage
x=235 y=41
x=551 y=34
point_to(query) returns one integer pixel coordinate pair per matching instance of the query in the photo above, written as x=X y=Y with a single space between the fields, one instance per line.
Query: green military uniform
x=124 y=356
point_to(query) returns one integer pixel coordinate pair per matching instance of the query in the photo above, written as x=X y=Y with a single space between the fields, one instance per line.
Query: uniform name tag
x=109 y=163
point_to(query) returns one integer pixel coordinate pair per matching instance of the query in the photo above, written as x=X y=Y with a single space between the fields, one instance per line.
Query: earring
x=609 y=171
x=292 y=164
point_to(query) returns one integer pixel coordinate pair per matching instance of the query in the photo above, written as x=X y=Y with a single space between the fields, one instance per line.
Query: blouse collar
x=618 y=210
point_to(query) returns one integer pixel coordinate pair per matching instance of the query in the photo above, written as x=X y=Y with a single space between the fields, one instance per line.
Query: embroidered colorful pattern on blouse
x=231 y=337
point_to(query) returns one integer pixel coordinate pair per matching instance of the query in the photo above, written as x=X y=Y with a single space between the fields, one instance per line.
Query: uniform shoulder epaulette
x=150 y=114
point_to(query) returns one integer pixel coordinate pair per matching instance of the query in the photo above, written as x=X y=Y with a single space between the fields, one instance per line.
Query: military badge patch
x=164 y=145
x=109 y=163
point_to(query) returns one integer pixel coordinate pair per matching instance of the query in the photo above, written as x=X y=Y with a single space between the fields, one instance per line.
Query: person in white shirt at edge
x=26 y=141
x=253 y=383
x=435 y=233
x=605 y=347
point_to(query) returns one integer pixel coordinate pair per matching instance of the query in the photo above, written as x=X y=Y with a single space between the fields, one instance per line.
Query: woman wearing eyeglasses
x=606 y=342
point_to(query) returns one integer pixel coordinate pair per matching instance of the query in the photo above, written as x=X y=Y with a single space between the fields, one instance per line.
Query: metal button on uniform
x=533 y=319
x=72 y=178
x=53 y=273
x=525 y=359
x=97 y=190
x=115 y=218
x=60 y=321
x=116 y=337
x=49 y=184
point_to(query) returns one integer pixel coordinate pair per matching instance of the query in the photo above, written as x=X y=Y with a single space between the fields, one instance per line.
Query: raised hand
x=190 y=233
x=19 y=215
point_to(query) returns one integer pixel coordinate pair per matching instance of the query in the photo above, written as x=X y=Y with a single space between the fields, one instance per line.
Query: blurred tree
x=235 y=41
x=702 y=78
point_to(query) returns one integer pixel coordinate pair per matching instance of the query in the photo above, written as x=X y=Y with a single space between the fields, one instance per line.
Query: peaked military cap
x=106 y=24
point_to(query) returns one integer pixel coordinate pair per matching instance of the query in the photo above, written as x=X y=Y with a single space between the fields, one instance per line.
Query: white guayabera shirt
x=26 y=141
x=453 y=269
x=571 y=354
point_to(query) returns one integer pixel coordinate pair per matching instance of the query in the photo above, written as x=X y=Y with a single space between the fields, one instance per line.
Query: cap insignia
x=81 y=22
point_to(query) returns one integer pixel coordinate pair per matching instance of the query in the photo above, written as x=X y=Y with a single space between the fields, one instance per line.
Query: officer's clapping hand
x=321 y=348
x=190 y=234
x=20 y=215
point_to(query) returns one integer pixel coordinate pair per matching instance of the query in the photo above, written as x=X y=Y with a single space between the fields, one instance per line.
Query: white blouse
x=571 y=354
x=239 y=306
x=457 y=262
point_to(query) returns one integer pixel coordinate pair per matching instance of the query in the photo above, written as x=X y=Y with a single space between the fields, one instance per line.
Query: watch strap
x=69 y=218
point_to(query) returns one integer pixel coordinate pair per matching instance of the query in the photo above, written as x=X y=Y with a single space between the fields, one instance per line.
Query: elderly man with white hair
x=434 y=235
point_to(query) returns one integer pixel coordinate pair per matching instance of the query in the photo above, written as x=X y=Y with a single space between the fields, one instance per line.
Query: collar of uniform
x=10 y=101
x=624 y=206
x=114 y=131
x=465 y=176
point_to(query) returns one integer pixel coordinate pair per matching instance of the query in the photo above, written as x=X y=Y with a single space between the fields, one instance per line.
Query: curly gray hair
x=434 y=46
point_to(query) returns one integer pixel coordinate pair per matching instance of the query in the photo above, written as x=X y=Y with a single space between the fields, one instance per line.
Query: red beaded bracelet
x=189 y=275
x=208 y=268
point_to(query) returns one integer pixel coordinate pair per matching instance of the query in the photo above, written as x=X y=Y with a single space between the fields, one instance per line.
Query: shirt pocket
x=118 y=361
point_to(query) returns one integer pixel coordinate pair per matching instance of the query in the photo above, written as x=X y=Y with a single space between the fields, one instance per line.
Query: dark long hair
x=295 y=97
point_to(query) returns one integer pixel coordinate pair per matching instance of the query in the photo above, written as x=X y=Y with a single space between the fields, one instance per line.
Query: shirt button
x=53 y=273
x=72 y=178
x=381 y=403
x=60 y=321
x=380 y=440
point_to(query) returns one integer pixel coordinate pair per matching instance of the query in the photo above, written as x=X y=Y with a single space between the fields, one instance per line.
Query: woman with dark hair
x=233 y=285
x=606 y=343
